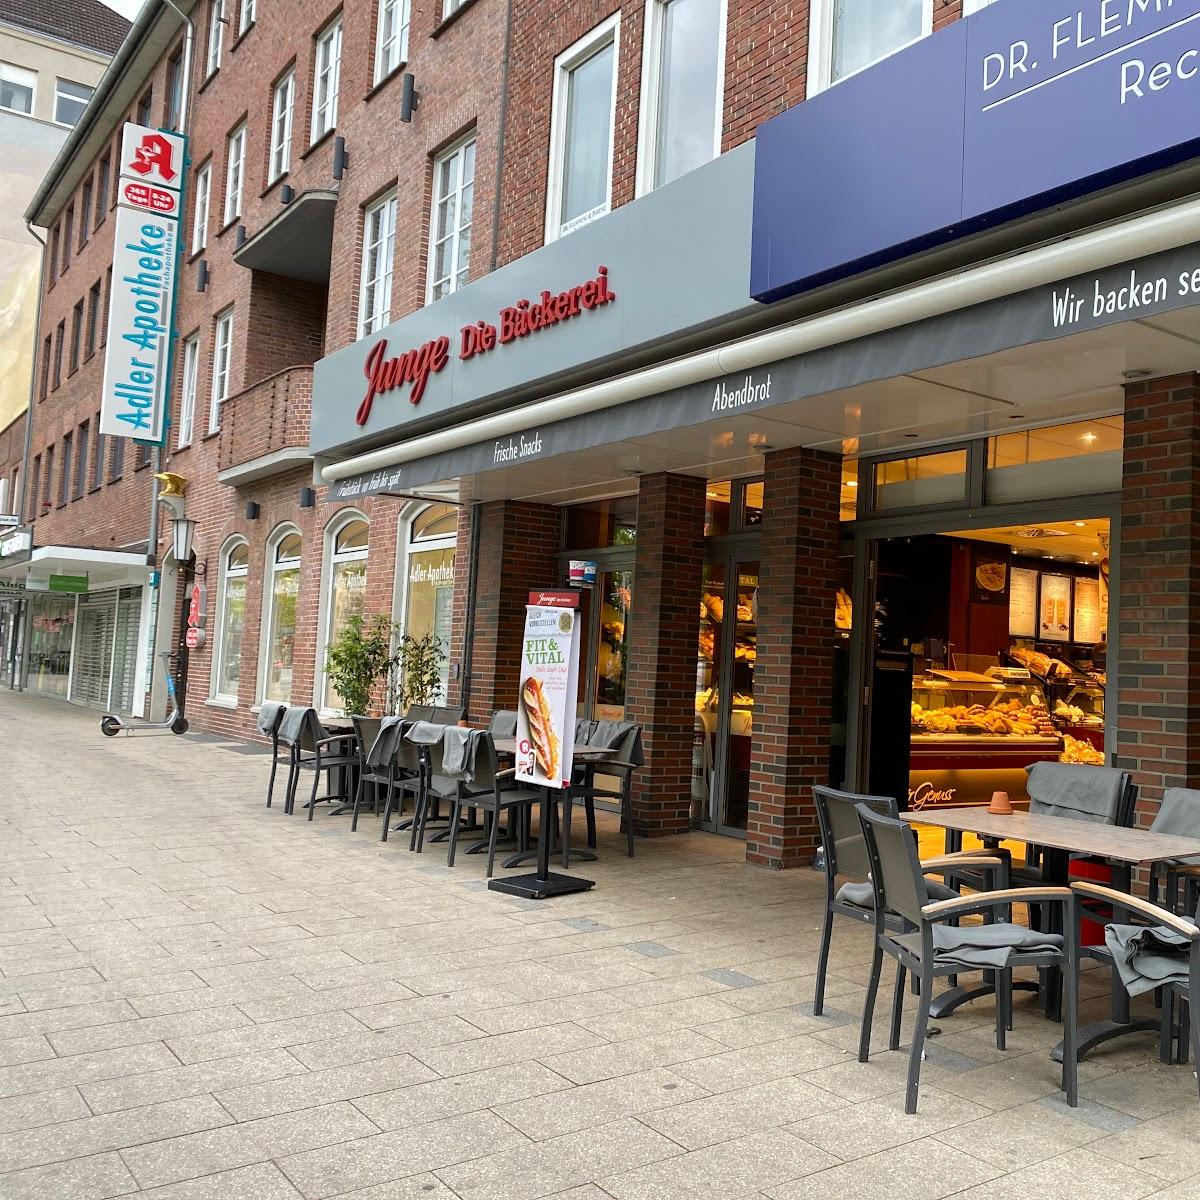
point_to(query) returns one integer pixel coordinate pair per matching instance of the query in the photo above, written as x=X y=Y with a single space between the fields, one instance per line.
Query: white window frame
x=19 y=75
x=375 y=286
x=246 y=15
x=325 y=616
x=190 y=359
x=608 y=31
x=450 y=7
x=455 y=237
x=60 y=94
x=200 y=212
x=649 y=110
x=216 y=37
x=235 y=174
x=283 y=106
x=224 y=574
x=222 y=354
x=271 y=568
x=390 y=55
x=820 y=44
x=325 y=111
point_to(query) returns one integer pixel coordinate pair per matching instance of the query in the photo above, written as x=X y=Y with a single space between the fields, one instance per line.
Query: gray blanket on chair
x=383 y=748
x=1147 y=957
x=458 y=752
x=989 y=947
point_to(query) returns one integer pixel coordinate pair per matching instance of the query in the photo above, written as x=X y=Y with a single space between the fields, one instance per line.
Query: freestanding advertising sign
x=549 y=688
x=137 y=363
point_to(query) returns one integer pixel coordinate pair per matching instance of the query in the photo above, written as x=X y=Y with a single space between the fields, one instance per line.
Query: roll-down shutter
x=92 y=664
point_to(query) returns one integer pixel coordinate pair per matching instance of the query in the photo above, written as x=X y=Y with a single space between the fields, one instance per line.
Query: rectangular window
x=939 y=477
x=70 y=99
x=102 y=189
x=47 y=358
x=107 y=297
x=81 y=461
x=450 y=220
x=246 y=16
x=682 y=88
x=235 y=169
x=216 y=36
x=222 y=347
x=64 y=477
x=581 y=140
x=116 y=466
x=98 y=456
x=391 y=37
x=48 y=478
x=55 y=249
x=200 y=212
x=85 y=213
x=17 y=88
x=281 y=126
x=143 y=455
x=450 y=7
x=187 y=389
x=60 y=336
x=93 y=320
x=848 y=35
x=326 y=73
x=379 y=248
x=145 y=108
x=68 y=234
x=76 y=337
x=174 y=90
x=31 y=501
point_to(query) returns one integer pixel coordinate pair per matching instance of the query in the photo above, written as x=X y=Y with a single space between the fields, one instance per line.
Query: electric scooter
x=175 y=721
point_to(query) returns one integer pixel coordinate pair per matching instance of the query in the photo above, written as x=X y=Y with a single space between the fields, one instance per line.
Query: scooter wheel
x=179 y=725
x=110 y=726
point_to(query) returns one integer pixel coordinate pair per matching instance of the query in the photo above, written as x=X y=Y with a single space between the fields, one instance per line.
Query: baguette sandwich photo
x=541 y=727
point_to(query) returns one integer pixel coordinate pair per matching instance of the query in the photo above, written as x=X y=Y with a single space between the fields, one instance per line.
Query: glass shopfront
x=429 y=602
x=51 y=633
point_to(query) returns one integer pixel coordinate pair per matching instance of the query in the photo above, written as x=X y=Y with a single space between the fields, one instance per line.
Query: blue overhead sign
x=1026 y=104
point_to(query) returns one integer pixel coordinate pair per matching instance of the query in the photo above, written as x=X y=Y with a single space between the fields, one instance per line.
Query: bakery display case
x=973 y=734
x=1080 y=716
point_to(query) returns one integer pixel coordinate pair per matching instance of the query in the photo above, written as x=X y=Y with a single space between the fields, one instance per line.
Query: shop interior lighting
x=1089 y=437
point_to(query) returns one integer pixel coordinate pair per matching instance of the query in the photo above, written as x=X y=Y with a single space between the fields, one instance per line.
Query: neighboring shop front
x=877 y=531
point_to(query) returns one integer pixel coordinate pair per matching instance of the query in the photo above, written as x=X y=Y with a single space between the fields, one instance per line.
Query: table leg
x=544 y=883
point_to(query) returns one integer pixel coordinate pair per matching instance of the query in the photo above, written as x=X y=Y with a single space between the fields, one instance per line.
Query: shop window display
x=281 y=625
x=347 y=590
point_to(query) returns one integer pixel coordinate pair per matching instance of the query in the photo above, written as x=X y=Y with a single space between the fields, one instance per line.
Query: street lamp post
x=183 y=531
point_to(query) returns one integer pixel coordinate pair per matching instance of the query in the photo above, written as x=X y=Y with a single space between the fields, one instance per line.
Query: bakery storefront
x=853 y=489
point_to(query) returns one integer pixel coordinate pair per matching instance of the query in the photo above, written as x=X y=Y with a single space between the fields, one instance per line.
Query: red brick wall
x=1158 y=673
x=286 y=324
x=660 y=690
x=793 y=676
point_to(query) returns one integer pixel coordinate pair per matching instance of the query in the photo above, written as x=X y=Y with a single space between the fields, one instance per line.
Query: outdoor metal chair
x=270 y=715
x=435 y=786
x=1158 y=950
x=929 y=948
x=845 y=857
x=420 y=712
x=366 y=730
x=626 y=739
x=401 y=762
x=448 y=714
x=491 y=791
x=503 y=723
x=1179 y=813
x=313 y=749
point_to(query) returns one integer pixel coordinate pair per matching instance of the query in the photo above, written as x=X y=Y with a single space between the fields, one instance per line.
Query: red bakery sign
x=520 y=320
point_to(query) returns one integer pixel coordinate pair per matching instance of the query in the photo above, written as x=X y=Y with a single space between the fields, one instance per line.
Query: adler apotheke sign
x=517 y=321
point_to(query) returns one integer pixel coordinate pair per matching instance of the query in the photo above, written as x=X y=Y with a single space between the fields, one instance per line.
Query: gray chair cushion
x=862 y=895
x=989 y=947
x=1179 y=814
x=1079 y=793
x=1148 y=957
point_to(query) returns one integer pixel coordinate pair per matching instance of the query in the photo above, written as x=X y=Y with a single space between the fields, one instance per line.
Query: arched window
x=231 y=621
x=347 y=591
x=429 y=583
x=282 y=593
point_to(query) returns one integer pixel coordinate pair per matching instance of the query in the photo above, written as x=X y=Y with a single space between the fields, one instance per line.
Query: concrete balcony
x=264 y=429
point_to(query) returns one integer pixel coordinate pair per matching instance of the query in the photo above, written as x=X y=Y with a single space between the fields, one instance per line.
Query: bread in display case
x=973 y=734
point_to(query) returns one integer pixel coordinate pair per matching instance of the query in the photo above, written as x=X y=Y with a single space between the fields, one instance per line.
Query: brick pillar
x=661 y=680
x=518 y=545
x=793 y=674
x=1158 y=591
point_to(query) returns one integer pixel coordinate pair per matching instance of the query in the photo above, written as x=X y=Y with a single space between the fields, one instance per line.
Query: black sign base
x=533 y=887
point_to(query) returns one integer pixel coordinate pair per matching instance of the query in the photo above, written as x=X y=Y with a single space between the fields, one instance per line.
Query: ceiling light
x=852 y=483
x=1089 y=437
x=1080 y=524
x=1136 y=373
x=1095 y=553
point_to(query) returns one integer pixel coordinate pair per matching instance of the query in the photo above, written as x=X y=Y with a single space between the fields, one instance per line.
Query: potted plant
x=415 y=672
x=359 y=657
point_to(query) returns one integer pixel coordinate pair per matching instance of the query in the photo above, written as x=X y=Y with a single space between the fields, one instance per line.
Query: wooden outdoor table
x=1061 y=837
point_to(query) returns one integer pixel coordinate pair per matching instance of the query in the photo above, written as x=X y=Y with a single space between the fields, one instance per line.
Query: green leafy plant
x=360 y=656
x=415 y=675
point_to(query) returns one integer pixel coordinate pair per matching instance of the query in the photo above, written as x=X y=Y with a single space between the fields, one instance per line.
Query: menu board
x=549 y=686
x=1022 y=603
x=1054 y=609
x=1087 y=611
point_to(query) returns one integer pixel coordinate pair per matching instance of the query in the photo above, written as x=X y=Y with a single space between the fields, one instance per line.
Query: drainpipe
x=189 y=39
x=501 y=128
x=464 y=687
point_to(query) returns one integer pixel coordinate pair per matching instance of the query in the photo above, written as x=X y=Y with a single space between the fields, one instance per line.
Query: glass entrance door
x=728 y=649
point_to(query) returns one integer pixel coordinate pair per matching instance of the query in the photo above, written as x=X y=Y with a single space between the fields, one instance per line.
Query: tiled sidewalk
x=202 y=999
